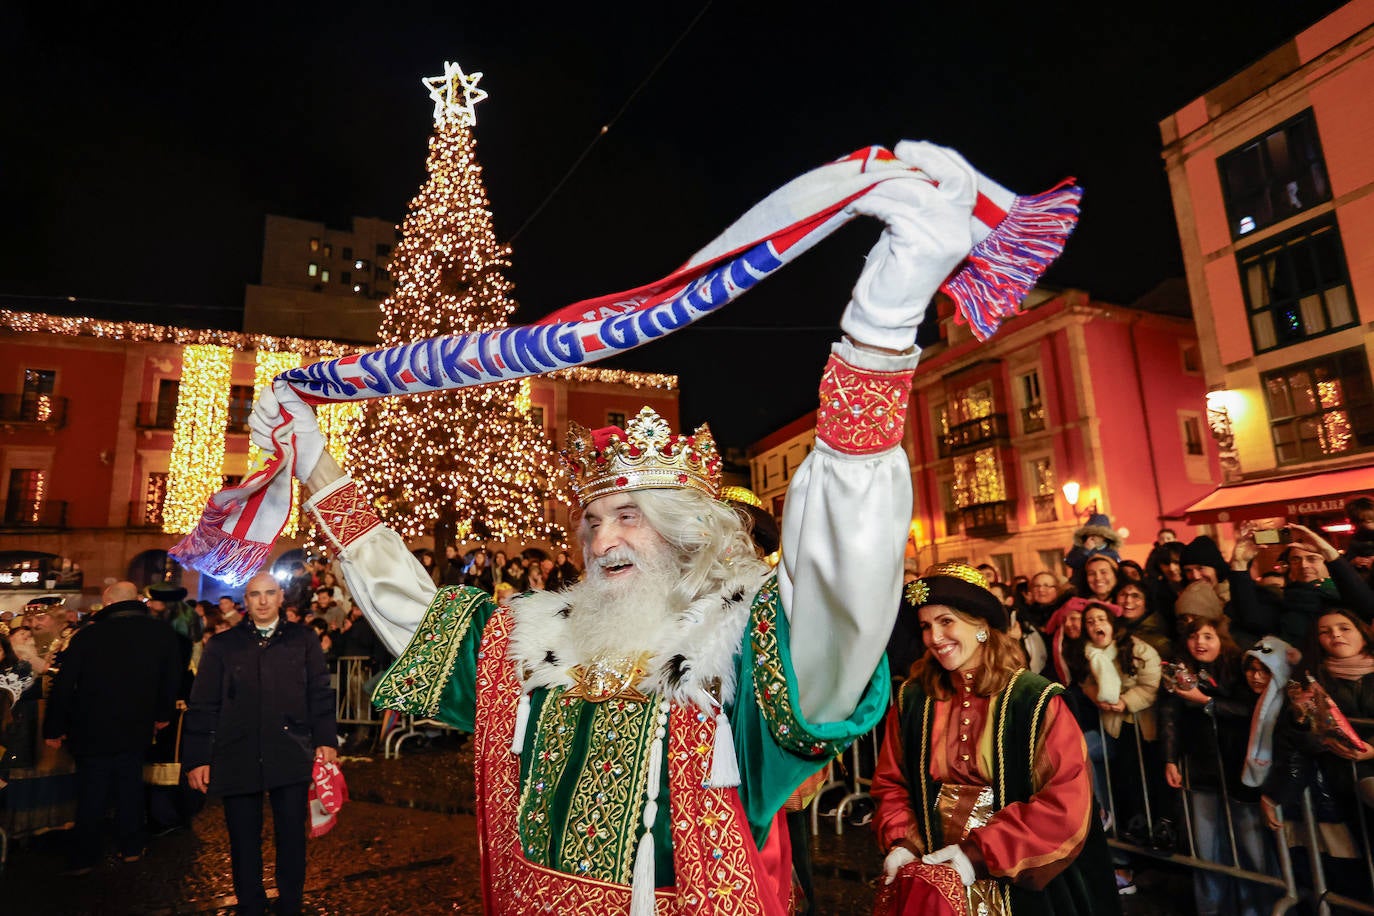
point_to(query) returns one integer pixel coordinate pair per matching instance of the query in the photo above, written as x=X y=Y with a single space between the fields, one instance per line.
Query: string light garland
x=470 y=460
x=40 y=323
x=196 y=464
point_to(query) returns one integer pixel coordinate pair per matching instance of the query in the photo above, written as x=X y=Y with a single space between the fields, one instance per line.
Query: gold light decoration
x=523 y=403
x=39 y=323
x=471 y=461
x=197 y=460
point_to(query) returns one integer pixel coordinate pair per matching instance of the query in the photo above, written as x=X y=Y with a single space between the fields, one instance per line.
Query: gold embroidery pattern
x=515 y=885
x=345 y=515
x=770 y=682
x=862 y=411
x=552 y=741
x=713 y=852
x=415 y=682
x=607 y=805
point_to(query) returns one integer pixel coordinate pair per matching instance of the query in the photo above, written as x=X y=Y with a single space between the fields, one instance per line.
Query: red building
x=86 y=438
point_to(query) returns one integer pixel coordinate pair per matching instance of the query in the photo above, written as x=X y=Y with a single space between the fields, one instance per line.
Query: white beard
x=628 y=614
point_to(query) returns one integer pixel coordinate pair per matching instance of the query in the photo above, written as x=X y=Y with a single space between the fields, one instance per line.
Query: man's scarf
x=1016 y=239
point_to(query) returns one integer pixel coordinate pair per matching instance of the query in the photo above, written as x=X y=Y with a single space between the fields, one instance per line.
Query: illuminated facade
x=91 y=414
x=1270 y=174
x=1075 y=390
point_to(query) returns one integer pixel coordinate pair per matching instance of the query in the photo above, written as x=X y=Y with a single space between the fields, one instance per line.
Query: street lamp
x=1072 y=489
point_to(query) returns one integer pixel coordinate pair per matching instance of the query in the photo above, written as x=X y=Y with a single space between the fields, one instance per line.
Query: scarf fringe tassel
x=211 y=551
x=1002 y=269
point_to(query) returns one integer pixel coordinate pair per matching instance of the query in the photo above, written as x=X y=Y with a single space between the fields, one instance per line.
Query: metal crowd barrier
x=1320 y=895
x=353 y=705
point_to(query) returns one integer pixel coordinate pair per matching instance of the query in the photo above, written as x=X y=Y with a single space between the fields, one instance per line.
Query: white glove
x=280 y=416
x=953 y=856
x=898 y=857
x=929 y=232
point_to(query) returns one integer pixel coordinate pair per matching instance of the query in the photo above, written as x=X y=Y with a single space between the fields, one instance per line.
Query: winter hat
x=1203 y=551
x=1199 y=599
x=1101 y=526
x=1279 y=657
x=1081 y=605
x=961 y=587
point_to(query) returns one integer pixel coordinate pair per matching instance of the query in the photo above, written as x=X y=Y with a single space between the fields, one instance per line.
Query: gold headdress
x=645 y=455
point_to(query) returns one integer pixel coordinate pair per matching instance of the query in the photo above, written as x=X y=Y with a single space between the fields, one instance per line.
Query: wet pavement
x=405 y=843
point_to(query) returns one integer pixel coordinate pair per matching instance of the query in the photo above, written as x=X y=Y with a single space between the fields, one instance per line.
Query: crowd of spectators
x=38 y=779
x=1230 y=685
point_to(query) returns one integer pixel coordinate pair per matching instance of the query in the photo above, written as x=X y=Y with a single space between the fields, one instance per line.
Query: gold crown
x=645 y=455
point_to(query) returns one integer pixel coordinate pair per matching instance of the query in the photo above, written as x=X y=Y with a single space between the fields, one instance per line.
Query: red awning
x=1304 y=494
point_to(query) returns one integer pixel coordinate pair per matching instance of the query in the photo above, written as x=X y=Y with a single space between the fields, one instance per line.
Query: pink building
x=1073 y=391
x=1271 y=174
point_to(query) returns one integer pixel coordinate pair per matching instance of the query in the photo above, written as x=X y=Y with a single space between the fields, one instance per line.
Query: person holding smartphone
x=1318 y=578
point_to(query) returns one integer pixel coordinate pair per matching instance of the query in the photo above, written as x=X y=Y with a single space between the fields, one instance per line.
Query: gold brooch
x=917 y=592
x=610 y=679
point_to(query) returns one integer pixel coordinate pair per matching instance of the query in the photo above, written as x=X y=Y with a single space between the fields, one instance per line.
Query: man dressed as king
x=637 y=734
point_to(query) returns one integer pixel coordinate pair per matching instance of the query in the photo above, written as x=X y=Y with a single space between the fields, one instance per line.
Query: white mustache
x=619 y=556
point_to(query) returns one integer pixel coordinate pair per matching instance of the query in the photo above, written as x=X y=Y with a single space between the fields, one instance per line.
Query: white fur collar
x=700 y=650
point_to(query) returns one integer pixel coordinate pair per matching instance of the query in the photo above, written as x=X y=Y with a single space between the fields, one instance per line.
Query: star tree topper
x=455 y=94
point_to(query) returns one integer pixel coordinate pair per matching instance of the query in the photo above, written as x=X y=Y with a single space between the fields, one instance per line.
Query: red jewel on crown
x=645 y=455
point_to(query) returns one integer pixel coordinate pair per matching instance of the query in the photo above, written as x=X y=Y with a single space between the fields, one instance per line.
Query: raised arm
x=383 y=576
x=848 y=509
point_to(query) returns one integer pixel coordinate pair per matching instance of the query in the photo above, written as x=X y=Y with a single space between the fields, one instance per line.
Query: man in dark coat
x=261 y=712
x=117 y=686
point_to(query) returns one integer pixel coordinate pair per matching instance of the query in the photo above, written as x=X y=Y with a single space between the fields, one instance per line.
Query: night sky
x=144 y=143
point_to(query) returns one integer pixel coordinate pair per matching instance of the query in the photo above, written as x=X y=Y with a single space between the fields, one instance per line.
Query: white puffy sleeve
x=844 y=530
x=385 y=579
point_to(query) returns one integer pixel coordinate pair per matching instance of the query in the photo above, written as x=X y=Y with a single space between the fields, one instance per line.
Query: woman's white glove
x=281 y=417
x=955 y=857
x=896 y=859
x=929 y=232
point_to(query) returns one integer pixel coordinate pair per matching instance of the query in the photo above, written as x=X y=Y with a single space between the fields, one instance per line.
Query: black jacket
x=259 y=708
x=119 y=675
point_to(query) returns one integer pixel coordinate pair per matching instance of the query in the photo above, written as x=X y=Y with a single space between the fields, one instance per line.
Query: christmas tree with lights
x=472 y=463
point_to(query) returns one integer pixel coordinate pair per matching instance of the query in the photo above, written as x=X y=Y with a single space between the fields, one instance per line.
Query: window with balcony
x=1296 y=286
x=36 y=402
x=26 y=497
x=1191 y=424
x=615 y=418
x=1321 y=408
x=148 y=512
x=1041 y=476
x=954 y=519
x=1032 y=405
x=1274 y=176
x=973 y=421
x=980 y=492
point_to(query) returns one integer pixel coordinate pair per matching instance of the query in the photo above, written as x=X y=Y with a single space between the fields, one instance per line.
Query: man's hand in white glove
x=898 y=857
x=280 y=418
x=928 y=234
x=954 y=857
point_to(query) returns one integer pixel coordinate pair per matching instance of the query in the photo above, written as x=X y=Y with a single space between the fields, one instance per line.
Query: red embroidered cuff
x=862 y=411
x=344 y=515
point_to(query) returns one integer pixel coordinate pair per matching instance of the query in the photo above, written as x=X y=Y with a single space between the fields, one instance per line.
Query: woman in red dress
x=983 y=787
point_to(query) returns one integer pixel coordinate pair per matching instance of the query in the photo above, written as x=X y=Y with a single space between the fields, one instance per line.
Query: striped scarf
x=1015 y=240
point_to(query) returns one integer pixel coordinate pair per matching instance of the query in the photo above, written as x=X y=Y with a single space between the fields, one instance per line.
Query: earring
x=982 y=636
